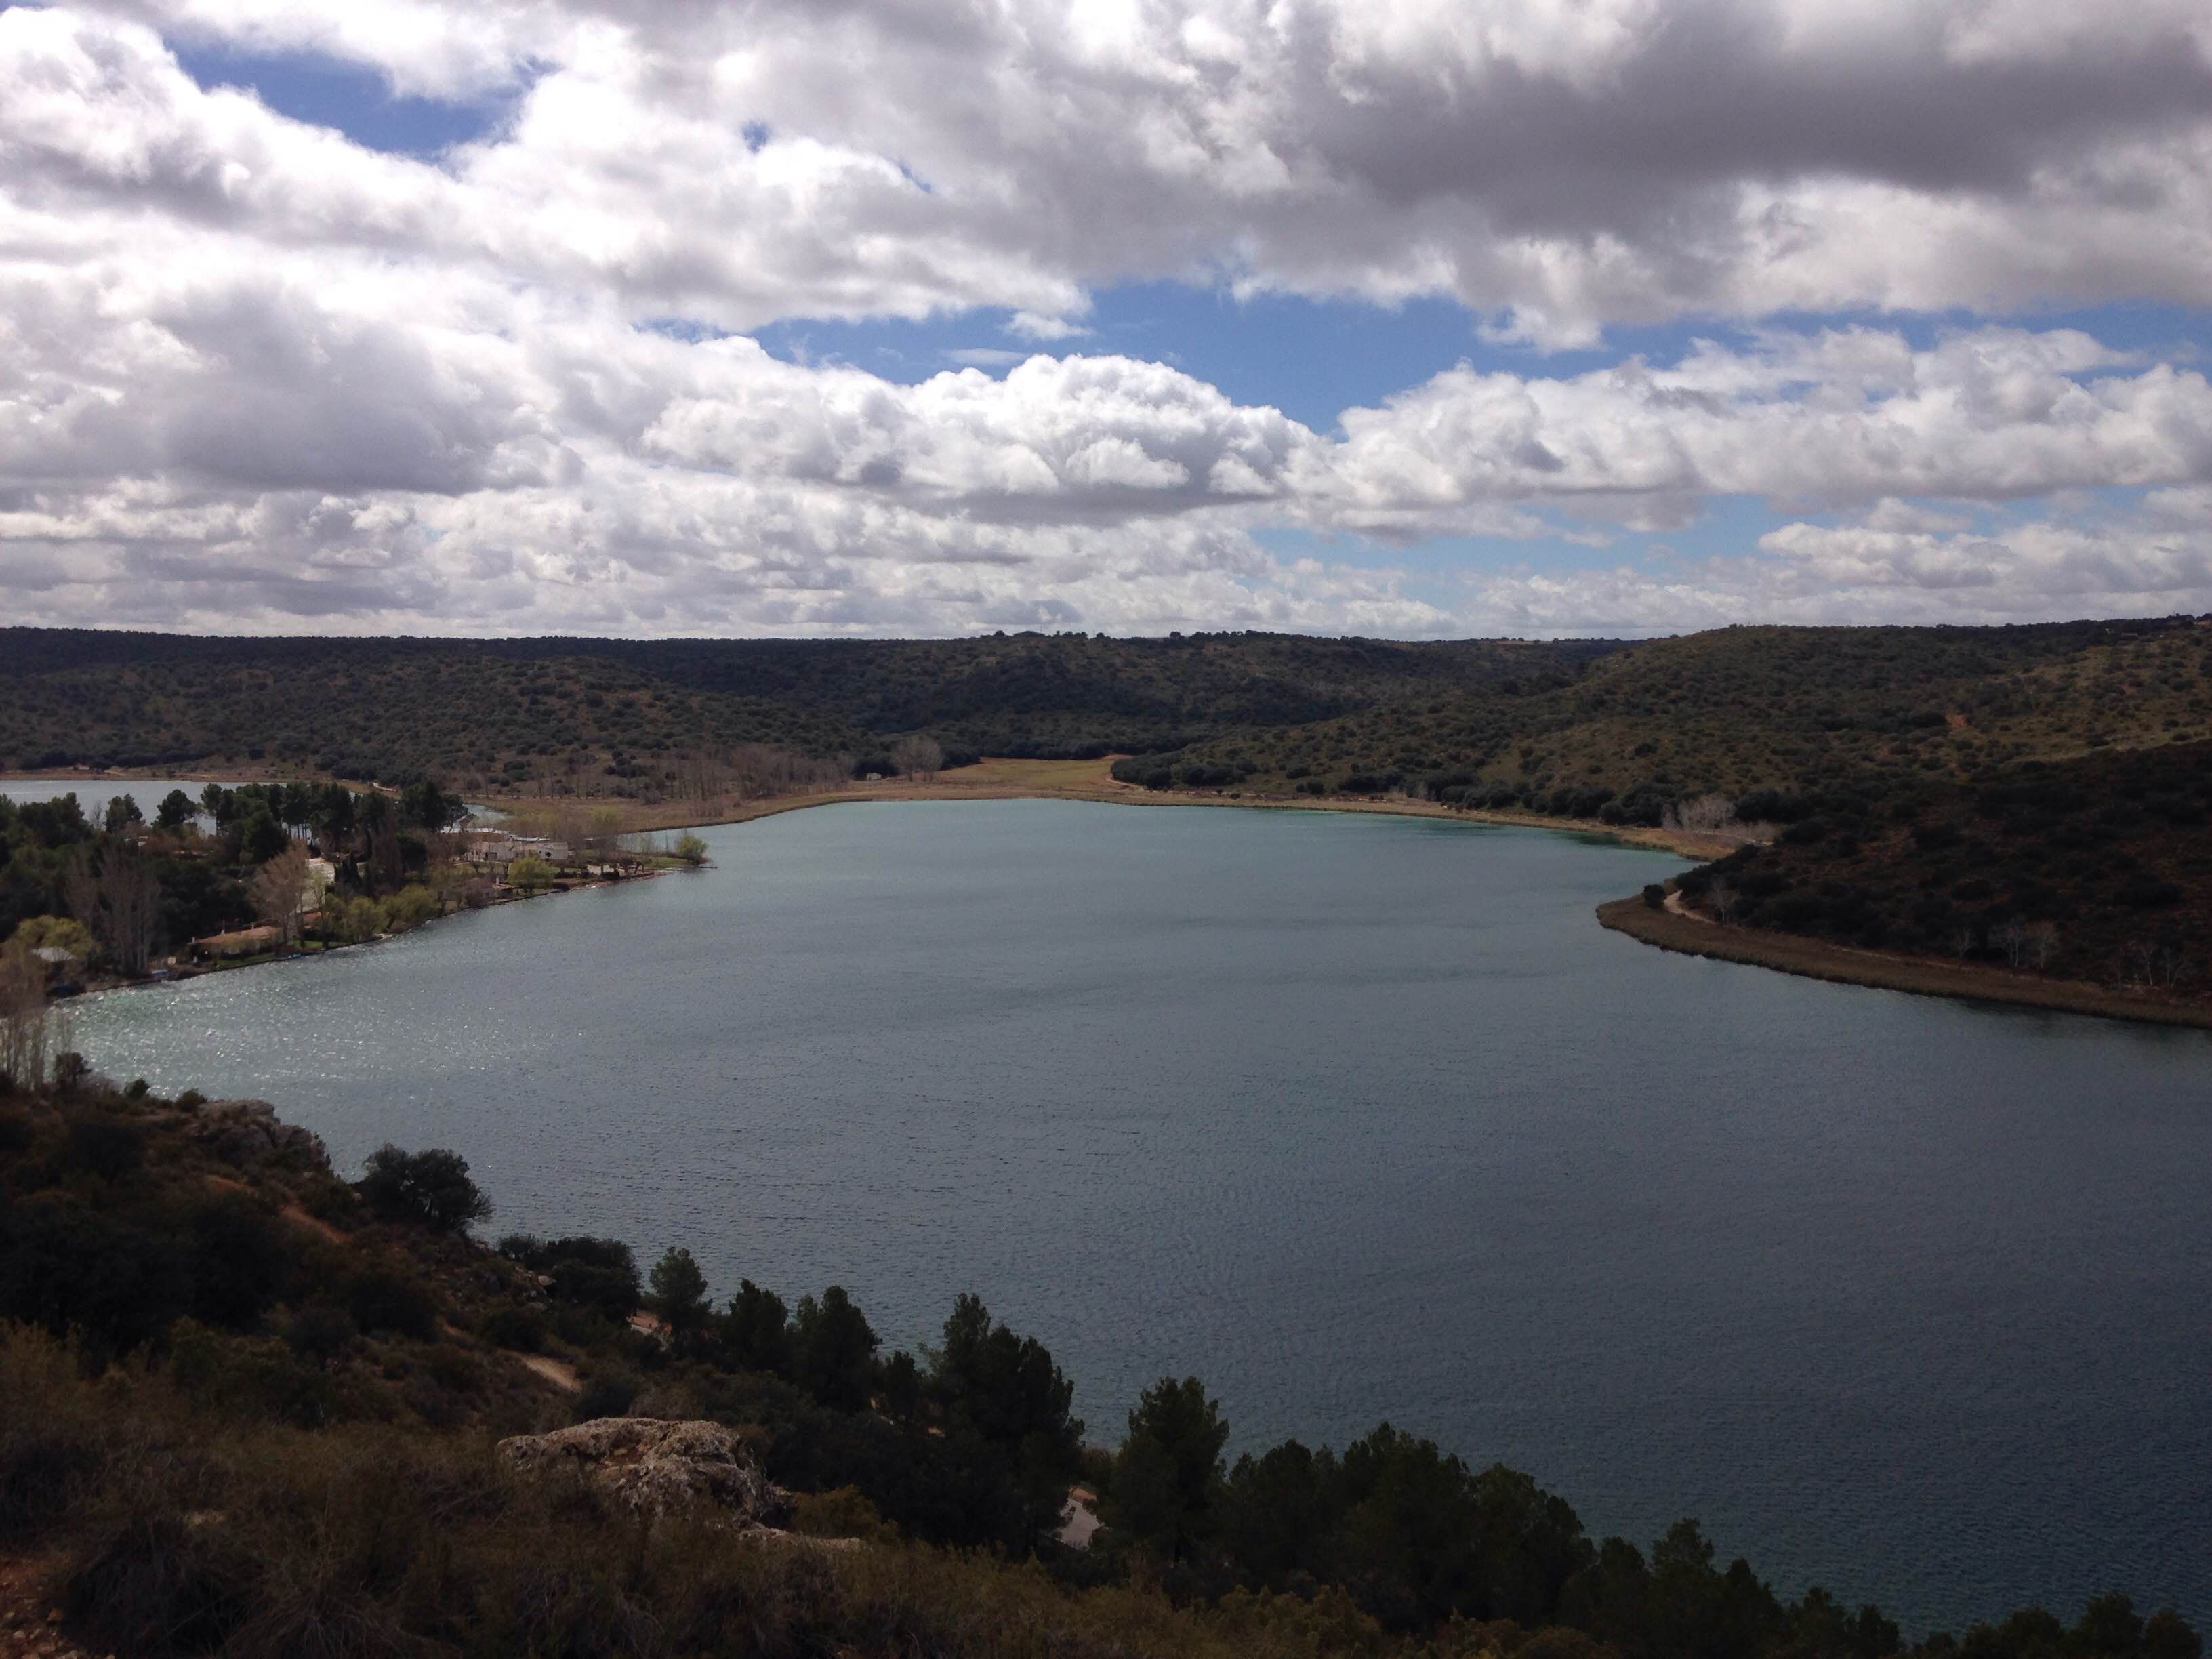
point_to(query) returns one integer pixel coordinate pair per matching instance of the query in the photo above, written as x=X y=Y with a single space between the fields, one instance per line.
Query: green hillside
x=1568 y=727
x=2098 y=869
x=482 y=713
x=1744 y=709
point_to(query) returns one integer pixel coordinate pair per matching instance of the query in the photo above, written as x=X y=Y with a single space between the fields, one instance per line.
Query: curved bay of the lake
x=1355 y=1118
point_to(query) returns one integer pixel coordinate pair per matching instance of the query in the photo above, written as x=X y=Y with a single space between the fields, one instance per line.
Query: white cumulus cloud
x=254 y=374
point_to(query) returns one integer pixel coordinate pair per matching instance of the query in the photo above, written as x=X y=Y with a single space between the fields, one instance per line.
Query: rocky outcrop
x=246 y=1131
x=655 y=1468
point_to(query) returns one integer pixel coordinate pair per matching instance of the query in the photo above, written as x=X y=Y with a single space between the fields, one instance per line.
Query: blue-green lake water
x=1355 y=1118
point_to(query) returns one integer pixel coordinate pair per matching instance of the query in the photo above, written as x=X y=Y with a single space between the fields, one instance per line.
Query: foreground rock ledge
x=655 y=1468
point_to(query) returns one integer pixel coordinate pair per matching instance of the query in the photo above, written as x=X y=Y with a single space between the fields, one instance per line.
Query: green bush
x=109 y=1147
x=380 y=1296
x=2145 y=891
x=522 y=1330
x=596 y=1273
x=431 y=1188
x=410 y=907
x=320 y=1332
x=250 y=1377
x=606 y=1394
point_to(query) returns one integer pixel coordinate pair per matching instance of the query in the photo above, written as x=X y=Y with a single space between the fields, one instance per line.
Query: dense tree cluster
x=1619 y=736
x=224 y=859
x=1581 y=728
x=643 y=719
x=974 y=1443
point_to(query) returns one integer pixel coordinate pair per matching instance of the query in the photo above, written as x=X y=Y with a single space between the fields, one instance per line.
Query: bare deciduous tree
x=31 y=1031
x=700 y=774
x=918 y=757
x=2026 y=944
x=751 y=771
x=278 y=892
x=1702 y=814
x=113 y=890
x=1721 y=898
x=2157 y=964
x=762 y=770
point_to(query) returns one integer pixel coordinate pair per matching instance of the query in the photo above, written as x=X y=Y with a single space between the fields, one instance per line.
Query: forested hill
x=2095 y=870
x=1742 y=710
x=1581 y=727
x=479 y=712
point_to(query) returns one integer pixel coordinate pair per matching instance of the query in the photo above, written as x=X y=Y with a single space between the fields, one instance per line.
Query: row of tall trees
x=750 y=771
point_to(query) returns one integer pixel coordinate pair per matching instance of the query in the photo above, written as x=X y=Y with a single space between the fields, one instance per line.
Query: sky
x=1414 y=318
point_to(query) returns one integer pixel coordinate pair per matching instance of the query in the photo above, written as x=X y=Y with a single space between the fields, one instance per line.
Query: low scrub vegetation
x=680 y=719
x=2097 y=869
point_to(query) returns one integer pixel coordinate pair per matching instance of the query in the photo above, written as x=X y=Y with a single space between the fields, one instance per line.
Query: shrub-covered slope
x=1743 y=710
x=1558 y=725
x=2098 y=868
x=482 y=711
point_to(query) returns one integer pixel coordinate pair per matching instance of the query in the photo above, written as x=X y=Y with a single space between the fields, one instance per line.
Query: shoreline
x=991 y=778
x=1087 y=780
x=185 y=976
x=1845 y=964
x=1666 y=930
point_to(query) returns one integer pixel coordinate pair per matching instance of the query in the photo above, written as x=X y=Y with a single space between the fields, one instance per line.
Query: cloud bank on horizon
x=1915 y=295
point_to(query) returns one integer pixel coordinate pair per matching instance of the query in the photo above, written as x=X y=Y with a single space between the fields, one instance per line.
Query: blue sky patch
x=1313 y=358
x=351 y=98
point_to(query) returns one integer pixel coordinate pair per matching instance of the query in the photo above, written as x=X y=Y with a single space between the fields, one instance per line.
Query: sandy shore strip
x=1845 y=964
x=1093 y=781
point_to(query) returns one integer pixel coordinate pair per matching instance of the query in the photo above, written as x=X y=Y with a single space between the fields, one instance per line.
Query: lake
x=1354 y=1117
